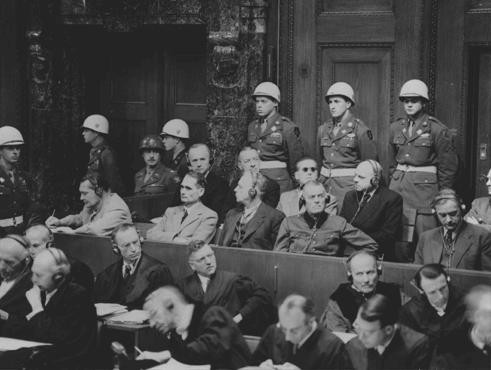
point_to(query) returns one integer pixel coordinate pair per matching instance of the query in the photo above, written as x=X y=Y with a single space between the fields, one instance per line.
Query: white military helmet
x=97 y=123
x=176 y=127
x=268 y=89
x=341 y=89
x=10 y=136
x=414 y=88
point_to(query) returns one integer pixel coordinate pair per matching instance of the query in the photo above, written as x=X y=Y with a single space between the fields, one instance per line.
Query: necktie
x=301 y=203
x=184 y=215
x=11 y=177
x=364 y=200
x=127 y=272
x=448 y=238
x=410 y=128
x=264 y=124
x=43 y=298
x=336 y=128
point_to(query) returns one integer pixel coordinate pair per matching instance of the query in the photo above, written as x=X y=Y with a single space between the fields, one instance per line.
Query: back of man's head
x=378 y=308
x=14 y=254
x=168 y=298
x=298 y=302
x=478 y=303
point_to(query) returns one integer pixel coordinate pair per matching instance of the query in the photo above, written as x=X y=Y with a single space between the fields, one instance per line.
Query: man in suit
x=196 y=336
x=254 y=225
x=248 y=160
x=250 y=305
x=103 y=210
x=456 y=243
x=316 y=232
x=190 y=221
x=438 y=309
x=373 y=208
x=61 y=313
x=297 y=342
x=291 y=202
x=15 y=275
x=363 y=270
x=40 y=237
x=382 y=344
x=129 y=280
x=469 y=346
x=218 y=195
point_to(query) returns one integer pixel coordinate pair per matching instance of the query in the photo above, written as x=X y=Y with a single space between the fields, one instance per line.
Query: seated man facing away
x=154 y=178
x=468 y=347
x=250 y=305
x=363 y=270
x=248 y=160
x=190 y=221
x=317 y=232
x=129 y=280
x=195 y=336
x=15 y=275
x=103 y=211
x=254 y=224
x=456 y=243
x=297 y=342
x=382 y=344
x=291 y=203
x=374 y=208
x=438 y=309
x=61 y=313
x=480 y=212
x=40 y=237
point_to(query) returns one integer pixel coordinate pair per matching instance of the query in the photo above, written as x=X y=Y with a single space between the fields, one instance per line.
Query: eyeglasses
x=306 y=169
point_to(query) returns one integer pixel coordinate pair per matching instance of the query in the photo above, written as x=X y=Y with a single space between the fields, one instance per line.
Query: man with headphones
x=456 y=243
x=254 y=224
x=363 y=270
x=61 y=313
x=373 y=208
x=438 y=309
x=103 y=210
x=129 y=280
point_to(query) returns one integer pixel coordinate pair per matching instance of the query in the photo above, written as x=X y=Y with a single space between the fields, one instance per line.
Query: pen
x=53 y=214
x=138 y=350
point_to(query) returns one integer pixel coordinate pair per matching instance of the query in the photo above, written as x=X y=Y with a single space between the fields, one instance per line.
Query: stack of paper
x=132 y=317
x=105 y=309
x=11 y=344
x=176 y=365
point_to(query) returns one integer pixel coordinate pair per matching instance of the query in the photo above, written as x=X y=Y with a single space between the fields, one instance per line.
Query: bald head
x=14 y=257
x=47 y=264
x=166 y=308
x=38 y=237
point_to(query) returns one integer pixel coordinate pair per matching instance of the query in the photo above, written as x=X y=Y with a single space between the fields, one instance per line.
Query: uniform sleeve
x=447 y=159
x=357 y=238
x=334 y=320
x=367 y=146
x=294 y=146
x=474 y=211
x=283 y=240
x=263 y=351
x=254 y=297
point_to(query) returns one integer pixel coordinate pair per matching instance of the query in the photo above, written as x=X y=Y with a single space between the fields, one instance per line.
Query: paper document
x=104 y=309
x=176 y=365
x=133 y=317
x=345 y=337
x=11 y=344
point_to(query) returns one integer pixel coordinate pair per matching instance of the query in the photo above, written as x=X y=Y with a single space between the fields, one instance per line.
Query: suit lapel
x=436 y=250
x=462 y=244
x=18 y=286
x=196 y=211
x=214 y=289
x=366 y=211
x=254 y=222
x=231 y=224
x=140 y=283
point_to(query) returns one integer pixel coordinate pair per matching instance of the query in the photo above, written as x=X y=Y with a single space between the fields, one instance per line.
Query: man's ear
x=201 y=192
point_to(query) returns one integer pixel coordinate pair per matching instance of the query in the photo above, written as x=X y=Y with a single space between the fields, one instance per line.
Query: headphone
x=447 y=194
x=438 y=270
x=253 y=191
x=378 y=260
x=377 y=170
x=60 y=259
x=115 y=247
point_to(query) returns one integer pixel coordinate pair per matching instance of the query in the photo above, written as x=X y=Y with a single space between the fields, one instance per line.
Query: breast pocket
x=398 y=140
x=326 y=243
x=274 y=139
x=348 y=142
x=422 y=148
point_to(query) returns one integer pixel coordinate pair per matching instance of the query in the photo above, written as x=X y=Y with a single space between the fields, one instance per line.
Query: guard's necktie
x=12 y=177
x=184 y=215
x=336 y=128
x=264 y=124
x=410 y=128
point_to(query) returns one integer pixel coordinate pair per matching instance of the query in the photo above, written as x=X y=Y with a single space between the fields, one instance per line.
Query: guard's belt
x=409 y=168
x=337 y=172
x=271 y=164
x=12 y=221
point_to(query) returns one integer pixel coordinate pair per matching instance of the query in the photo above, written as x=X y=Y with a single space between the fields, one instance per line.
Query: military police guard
x=423 y=157
x=175 y=133
x=344 y=142
x=276 y=138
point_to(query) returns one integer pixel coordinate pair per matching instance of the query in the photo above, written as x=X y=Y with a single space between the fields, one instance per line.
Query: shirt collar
x=192 y=206
x=382 y=347
x=314 y=327
x=132 y=265
x=50 y=294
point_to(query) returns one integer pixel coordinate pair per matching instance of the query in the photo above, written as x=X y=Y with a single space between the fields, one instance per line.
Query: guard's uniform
x=422 y=163
x=161 y=180
x=102 y=160
x=342 y=152
x=178 y=163
x=279 y=147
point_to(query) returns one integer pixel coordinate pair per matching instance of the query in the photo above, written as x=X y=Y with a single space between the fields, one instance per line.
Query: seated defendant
x=190 y=221
x=297 y=342
x=363 y=270
x=196 y=336
x=154 y=178
x=456 y=243
x=291 y=202
x=250 y=304
x=254 y=224
x=317 y=232
x=103 y=210
x=129 y=280
x=480 y=212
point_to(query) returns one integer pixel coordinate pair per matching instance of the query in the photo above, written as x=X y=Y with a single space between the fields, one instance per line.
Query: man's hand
x=52 y=221
x=65 y=230
x=238 y=318
x=33 y=296
x=268 y=364
x=160 y=357
x=472 y=220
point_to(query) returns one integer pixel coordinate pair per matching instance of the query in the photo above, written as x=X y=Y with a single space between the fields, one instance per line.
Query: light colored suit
x=200 y=224
x=288 y=204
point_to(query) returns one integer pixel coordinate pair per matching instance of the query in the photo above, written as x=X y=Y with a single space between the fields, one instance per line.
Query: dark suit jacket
x=271 y=194
x=68 y=321
x=407 y=350
x=236 y=293
x=81 y=274
x=148 y=276
x=260 y=232
x=380 y=218
x=213 y=338
x=217 y=196
x=322 y=350
x=15 y=301
x=472 y=248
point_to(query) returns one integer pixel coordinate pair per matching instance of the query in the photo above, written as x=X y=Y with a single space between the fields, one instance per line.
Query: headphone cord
x=360 y=201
